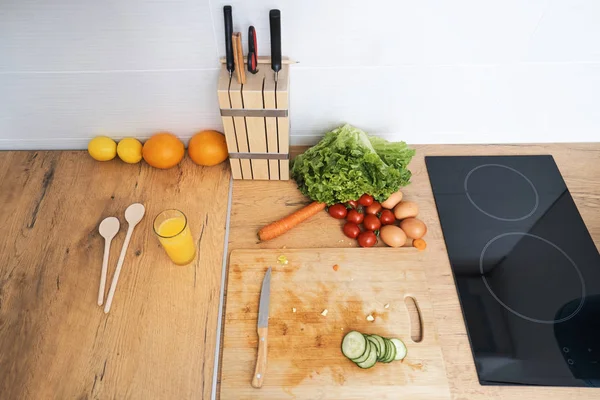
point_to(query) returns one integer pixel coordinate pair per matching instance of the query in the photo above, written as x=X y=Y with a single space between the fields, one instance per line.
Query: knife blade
x=263 y=331
x=265 y=294
x=275 y=25
x=228 y=43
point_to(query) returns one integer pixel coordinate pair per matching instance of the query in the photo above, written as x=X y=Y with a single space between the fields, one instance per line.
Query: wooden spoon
x=109 y=227
x=133 y=215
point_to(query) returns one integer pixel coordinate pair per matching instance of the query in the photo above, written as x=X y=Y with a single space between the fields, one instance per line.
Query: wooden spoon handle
x=261 y=358
x=115 y=280
x=103 y=273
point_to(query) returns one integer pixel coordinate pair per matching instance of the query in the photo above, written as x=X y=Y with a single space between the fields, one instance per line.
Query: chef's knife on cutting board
x=275 y=25
x=228 y=41
x=263 y=331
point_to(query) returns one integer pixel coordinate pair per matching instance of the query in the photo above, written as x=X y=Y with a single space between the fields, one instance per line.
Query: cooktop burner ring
x=541 y=321
x=529 y=214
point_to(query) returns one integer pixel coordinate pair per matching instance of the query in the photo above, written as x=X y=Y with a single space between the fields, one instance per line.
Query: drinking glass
x=173 y=231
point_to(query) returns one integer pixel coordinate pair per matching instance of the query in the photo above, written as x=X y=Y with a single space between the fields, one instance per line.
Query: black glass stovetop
x=526 y=269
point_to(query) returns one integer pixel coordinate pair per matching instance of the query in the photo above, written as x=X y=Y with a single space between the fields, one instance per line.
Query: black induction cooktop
x=526 y=269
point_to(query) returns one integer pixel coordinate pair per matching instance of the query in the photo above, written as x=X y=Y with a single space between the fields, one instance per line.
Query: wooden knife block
x=256 y=123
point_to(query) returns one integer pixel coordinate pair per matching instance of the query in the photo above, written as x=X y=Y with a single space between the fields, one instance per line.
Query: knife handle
x=275 y=25
x=252 y=50
x=228 y=42
x=261 y=358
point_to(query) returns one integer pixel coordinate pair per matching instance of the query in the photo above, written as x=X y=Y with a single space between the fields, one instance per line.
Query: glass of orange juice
x=174 y=235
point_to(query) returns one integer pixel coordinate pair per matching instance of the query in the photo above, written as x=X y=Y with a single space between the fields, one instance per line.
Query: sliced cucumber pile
x=366 y=350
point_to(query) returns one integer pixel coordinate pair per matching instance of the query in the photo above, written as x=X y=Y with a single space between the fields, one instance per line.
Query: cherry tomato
x=367 y=239
x=365 y=200
x=371 y=222
x=355 y=216
x=351 y=230
x=387 y=217
x=374 y=208
x=353 y=203
x=338 y=211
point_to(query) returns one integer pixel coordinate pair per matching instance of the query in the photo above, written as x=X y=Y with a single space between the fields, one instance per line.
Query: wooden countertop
x=258 y=203
x=159 y=339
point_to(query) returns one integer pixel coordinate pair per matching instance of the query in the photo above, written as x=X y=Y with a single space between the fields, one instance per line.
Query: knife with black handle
x=275 y=25
x=228 y=43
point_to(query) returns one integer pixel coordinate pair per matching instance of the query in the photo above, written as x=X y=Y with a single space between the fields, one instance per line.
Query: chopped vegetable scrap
x=324 y=313
x=336 y=267
x=370 y=318
x=420 y=244
x=282 y=260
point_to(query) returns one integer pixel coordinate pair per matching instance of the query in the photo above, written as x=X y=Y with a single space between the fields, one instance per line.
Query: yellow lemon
x=130 y=150
x=102 y=148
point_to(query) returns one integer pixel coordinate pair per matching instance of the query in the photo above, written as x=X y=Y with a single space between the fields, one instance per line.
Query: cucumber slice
x=381 y=345
x=384 y=352
x=354 y=345
x=400 y=349
x=370 y=349
x=375 y=342
x=371 y=360
x=388 y=350
x=392 y=352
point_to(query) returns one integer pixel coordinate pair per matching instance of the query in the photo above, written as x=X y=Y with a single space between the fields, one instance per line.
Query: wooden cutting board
x=304 y=358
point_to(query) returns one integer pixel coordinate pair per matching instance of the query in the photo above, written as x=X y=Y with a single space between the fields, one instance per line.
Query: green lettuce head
x=348 y=163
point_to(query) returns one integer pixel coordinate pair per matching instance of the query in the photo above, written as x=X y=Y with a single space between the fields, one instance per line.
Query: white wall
x=424 y=71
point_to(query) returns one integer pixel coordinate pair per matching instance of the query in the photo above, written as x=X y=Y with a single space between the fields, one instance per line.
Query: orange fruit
x=163 y=150
x=208 y=148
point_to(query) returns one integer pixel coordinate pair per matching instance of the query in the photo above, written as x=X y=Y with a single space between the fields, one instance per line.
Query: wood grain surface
x=158 y=340
x=256 y=204
x=304 y=358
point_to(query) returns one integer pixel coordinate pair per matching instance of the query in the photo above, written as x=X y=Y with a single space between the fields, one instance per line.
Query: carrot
x=280 y=227
x=420 y=244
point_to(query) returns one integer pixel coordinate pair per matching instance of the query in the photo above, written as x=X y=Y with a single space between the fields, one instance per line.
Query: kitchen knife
x=238 y=58
x=275 y=24
x=252 y=51
x=228 y=43
x=263 y=330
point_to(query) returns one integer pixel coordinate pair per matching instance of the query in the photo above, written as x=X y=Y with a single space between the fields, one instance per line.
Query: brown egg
x=392 y=236
x=406 y=209
x=391 y=201
x=414 y=228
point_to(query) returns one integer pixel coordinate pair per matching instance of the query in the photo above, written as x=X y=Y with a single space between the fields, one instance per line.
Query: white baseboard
x=304 y=140
x=56 y=143
x=81 y=143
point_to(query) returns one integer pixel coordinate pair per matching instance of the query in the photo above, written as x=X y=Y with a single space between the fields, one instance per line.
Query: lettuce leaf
x=347 y=163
